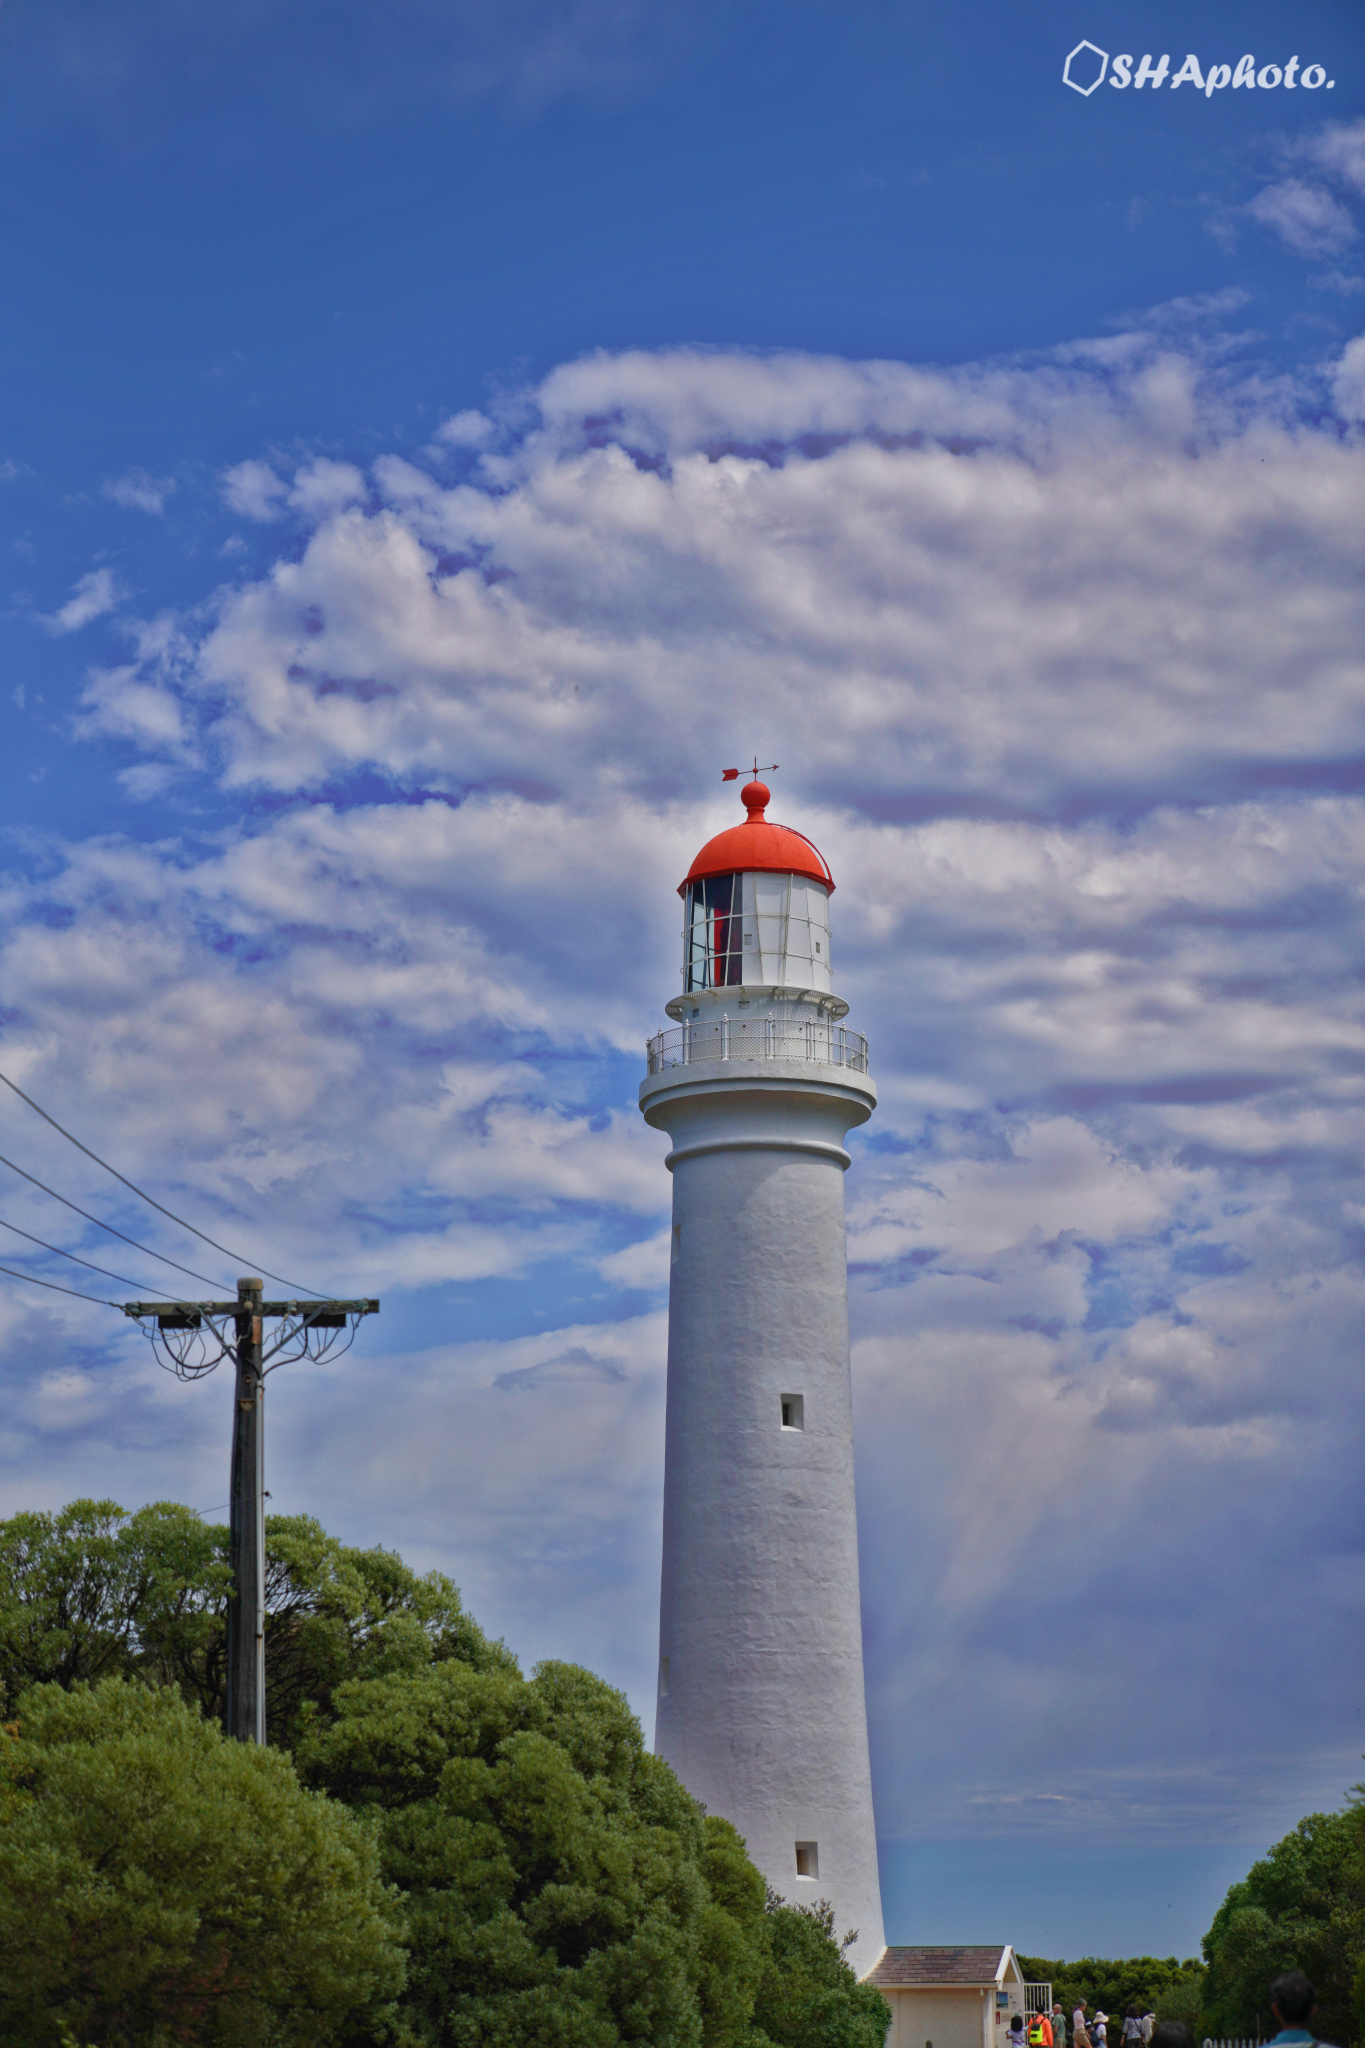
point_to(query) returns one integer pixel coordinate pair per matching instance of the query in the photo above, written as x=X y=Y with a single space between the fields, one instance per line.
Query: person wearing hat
x=1099 y=2031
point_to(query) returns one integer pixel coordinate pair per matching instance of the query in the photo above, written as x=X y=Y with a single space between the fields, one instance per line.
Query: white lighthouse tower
x=761 y=1706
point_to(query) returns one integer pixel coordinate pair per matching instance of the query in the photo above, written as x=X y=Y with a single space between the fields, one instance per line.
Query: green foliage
x=558 y=1884
x=1184 y=2001
x=93 y=1591
x=1301 y=1907
x=561 y=1885
x=1166 y=1986
x=808 y=1996
x=335 y=1614
x=159 y=1883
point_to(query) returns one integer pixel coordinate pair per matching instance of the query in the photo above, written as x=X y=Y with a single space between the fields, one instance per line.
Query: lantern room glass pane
x=715 y=933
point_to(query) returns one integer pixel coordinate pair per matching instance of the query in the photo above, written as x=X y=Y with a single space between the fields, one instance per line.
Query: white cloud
x=1340 y=151
x=1348 y=382
x=324 y=487
x=1062 y=660
x=95 y=594
x=1305 y=217
x=253 y=491
x=639 y=1265
x=141 y=492
x=467 y=430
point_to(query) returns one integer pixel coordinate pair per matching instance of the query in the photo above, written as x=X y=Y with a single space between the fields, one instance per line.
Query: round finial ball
x=756 y=795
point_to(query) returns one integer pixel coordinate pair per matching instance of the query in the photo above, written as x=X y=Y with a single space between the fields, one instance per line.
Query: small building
x=954 y=1997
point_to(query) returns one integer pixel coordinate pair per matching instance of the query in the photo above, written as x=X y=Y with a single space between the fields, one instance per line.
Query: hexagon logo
x=1079 y=66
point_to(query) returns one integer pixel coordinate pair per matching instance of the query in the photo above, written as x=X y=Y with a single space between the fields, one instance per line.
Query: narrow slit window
x=663 y=1678
x=793 y=1411
x=807 y=1859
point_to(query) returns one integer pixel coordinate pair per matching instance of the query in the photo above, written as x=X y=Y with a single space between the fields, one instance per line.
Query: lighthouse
x=761 y=1707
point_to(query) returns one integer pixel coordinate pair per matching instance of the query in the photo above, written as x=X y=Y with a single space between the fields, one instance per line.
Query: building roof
x=758 y=845
x=967 y=1966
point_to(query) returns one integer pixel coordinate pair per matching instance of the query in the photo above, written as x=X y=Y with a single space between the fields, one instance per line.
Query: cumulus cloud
x=1348 y=381
x=1339 y=149
x=253 y=491
x=323 y=487
x=1062 y=659
x=467 y=430
x=140 y=491
x=1305 y=217
x=95 y=594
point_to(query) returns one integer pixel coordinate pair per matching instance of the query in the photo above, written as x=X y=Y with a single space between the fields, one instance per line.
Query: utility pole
x=245 y=1717
x=182 y=1330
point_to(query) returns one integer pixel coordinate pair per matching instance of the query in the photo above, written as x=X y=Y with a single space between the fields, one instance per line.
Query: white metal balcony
x=759 y=1038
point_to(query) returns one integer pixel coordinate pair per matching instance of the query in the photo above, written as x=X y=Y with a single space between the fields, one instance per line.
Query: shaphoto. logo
x=1088 y=66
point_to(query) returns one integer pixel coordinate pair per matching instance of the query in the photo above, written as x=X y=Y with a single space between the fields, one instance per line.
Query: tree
x=1170 y=1988
x=1301 y=1907
x=808 y=1996
x=561 y=1885
x=159 y=1884
x=94 y=1591
x=554 y=1871
x=558 y=1884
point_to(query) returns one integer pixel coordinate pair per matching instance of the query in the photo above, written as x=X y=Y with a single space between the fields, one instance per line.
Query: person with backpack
x=1040 y=2031
x=1099 y=2031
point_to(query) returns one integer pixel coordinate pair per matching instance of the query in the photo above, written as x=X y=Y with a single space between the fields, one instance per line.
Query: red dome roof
x=771 y=849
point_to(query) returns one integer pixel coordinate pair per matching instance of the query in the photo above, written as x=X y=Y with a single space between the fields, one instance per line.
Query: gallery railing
x=759 y=1038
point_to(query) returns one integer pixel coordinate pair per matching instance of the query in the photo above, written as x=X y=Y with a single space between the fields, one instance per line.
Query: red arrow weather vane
x=733 y=774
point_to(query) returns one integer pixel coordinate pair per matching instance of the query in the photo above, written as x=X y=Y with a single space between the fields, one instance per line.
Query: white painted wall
x=950 y=2018
x=764 y=1716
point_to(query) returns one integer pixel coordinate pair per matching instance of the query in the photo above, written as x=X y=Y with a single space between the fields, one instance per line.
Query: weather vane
x=733 y=774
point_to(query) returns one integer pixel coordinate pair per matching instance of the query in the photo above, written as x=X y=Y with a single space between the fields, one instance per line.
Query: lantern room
x=756 y=916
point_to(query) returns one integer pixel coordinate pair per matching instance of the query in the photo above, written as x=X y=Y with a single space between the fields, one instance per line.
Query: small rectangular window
x=663 y=1678
x=807 y=1859
x=793 y=1411
x=677 y=1243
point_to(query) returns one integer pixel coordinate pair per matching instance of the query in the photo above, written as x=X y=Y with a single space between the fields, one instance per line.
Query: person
x=1078 y=2018
x=1040 y=2031
x=1148 y=2022
x=1132 y=2028
x=1293 y=2002
x=1171 y=2034
x=1099 y=2032
x=1014 y=2033
x=1058 y=2026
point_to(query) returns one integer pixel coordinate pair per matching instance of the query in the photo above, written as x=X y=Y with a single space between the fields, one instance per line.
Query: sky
x=437 y=440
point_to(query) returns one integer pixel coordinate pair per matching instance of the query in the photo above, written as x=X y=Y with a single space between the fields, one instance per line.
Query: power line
x=109 y=1226
x=64 y=1254
x=34 y=1281
x=143 y=1196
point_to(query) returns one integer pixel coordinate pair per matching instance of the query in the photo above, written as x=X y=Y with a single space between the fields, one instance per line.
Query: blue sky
x=436 y=442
